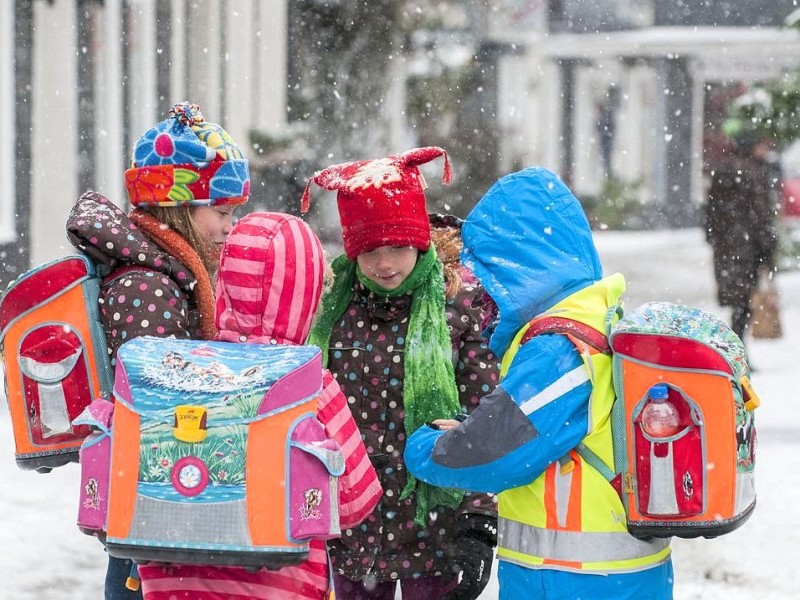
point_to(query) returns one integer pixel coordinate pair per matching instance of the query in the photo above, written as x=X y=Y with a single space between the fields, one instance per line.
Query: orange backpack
x=55 y=358
x=696 y=477
x=214 y=455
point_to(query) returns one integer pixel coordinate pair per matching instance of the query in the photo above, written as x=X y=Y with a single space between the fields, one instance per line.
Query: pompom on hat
x=185 y=160
x=381 y=202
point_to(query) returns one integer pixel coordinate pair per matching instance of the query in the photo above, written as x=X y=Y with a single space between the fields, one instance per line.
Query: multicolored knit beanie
x=184 y=160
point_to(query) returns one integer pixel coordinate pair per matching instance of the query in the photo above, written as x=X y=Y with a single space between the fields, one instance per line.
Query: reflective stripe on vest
x=577 y=546
x=570 y=517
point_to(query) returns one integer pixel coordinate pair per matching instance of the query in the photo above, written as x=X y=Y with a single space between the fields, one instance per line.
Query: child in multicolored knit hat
x=405 y=353
x=187 y=177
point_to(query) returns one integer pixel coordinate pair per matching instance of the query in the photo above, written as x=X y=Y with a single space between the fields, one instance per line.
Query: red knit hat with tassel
x=382 y=201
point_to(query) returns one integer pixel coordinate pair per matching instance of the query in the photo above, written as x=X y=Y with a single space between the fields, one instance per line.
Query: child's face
x=388 y=266
x=214 y=222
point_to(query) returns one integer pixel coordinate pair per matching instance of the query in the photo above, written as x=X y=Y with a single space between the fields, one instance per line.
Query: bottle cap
x=659 y=392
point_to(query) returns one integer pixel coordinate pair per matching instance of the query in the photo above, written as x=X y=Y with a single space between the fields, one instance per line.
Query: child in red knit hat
x=268 y=290
x=405 y=353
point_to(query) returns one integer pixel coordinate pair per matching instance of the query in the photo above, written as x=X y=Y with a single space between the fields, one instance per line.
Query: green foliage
x=769 y=111
x=618 y=206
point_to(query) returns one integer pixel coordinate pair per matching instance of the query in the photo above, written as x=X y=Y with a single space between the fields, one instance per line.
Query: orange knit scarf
x=174 y=243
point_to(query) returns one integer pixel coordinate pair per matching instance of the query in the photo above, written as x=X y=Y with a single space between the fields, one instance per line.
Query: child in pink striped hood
x=268 y=289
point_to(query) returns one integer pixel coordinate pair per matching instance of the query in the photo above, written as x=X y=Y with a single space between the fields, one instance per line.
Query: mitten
x=473 y=555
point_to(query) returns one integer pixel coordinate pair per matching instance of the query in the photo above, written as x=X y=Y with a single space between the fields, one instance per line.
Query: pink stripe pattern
x=268 y=289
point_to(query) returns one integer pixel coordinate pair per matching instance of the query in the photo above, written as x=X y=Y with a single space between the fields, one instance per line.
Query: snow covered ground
x=45 y=557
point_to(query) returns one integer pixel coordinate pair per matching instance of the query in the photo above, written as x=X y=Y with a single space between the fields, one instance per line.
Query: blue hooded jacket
x=530 y=245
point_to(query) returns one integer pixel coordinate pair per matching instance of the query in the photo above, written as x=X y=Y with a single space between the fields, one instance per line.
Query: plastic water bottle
x=660 y=417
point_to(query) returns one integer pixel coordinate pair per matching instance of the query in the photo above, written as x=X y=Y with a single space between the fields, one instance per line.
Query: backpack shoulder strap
x=588 y=455
x=574 y=330
x=586 y=340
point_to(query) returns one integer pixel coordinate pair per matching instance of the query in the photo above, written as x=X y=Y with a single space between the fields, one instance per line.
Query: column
x=672 y=204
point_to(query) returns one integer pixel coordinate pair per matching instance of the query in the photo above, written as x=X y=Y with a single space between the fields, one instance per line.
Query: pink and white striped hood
x=270 y=280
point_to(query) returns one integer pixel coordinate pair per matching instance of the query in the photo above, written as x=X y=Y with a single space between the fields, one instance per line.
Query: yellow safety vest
x=570 y=517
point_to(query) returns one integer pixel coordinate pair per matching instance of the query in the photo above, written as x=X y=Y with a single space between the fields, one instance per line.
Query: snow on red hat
x=381 y=202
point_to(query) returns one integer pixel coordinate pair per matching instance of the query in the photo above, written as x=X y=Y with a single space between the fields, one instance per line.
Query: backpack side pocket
x=315 y=464
x=95 y=457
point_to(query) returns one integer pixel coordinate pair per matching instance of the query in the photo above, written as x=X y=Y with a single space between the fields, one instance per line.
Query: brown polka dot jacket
x=149 y=291
x=366 y=356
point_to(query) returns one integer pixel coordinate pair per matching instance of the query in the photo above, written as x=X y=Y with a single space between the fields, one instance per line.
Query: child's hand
x=445 y=424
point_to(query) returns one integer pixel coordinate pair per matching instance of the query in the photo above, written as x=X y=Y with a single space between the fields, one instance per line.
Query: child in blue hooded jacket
x=561 y=527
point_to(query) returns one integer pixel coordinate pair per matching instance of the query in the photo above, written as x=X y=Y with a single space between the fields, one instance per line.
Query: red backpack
x=55 y=358
x=695 y=478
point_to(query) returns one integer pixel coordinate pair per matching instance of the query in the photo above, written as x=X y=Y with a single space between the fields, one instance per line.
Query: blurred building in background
x=619 y=88
x=80 y=80
x=608 y=93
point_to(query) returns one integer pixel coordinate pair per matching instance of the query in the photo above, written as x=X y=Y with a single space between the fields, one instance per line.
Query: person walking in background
x=268 y=290
x=186 y=179
x=561 y=526
x=404 y=353
x=740 y=214
x=605 y=126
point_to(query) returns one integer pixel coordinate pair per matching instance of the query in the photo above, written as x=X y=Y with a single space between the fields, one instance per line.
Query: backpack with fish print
x=214 y=455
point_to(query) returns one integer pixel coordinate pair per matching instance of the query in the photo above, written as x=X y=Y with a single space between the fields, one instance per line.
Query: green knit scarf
x=429 y=388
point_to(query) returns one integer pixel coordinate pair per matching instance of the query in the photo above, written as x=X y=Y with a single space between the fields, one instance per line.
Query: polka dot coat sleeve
x=476 y=369
x=144 y=302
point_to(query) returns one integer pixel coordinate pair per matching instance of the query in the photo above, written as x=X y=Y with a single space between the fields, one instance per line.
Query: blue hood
x=530 y=245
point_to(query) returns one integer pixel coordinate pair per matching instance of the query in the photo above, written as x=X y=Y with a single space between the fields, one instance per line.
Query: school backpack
x=696 y=478
x=214 y=455
x=55 y=358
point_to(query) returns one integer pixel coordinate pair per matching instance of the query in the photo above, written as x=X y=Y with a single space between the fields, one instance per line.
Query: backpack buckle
x=751 y=399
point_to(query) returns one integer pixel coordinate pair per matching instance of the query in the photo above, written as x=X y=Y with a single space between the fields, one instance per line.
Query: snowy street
x=46 y=557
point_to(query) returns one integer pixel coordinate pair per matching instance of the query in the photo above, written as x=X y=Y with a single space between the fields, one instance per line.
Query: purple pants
x=423 y=588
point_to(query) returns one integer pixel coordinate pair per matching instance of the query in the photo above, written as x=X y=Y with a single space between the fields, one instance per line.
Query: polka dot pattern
x=148 y=292
x=366 y=357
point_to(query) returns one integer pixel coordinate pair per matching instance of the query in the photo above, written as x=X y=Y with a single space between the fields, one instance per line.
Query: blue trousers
x=117 y=574
x=549 y=584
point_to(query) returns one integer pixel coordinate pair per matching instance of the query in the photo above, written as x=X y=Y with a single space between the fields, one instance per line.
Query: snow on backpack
x=214 y=455
x=55 y=358
x=692 y=476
